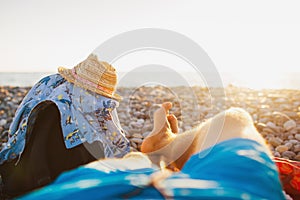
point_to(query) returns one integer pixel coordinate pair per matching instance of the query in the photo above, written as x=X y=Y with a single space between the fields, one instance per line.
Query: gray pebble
x=136 y=140
x=289 y=154
x=3 y=122
x=297 y=136
x=145 y=134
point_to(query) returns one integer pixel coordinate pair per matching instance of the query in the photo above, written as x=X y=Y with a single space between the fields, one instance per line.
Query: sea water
x=127 y=79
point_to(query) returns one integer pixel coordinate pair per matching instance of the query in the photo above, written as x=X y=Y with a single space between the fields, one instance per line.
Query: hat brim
x=67 y=74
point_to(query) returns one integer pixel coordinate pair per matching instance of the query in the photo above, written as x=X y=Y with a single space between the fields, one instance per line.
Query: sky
x=257 y=37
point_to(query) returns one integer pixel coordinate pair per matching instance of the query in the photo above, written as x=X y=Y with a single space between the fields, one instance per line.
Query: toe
x=167 y=106
x=173 y=123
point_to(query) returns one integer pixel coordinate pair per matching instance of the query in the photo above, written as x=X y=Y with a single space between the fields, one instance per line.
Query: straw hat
x=94 y=75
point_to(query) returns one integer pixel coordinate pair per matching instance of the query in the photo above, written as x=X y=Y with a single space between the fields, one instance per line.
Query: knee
x=238 y=116
x=234 y=122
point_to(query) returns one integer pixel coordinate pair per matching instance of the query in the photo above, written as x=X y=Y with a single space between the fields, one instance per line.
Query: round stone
x=290 y=124
x=281 y=148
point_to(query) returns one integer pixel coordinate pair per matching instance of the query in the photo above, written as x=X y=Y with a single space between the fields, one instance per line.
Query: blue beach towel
x=233 y=169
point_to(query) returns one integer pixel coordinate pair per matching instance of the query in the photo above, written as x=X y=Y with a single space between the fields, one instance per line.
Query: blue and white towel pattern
x=233 y=169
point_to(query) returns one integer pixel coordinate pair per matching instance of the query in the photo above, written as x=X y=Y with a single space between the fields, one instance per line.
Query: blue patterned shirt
x=85 y=117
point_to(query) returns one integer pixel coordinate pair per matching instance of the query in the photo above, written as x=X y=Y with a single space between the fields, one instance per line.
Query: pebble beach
x=276 y=113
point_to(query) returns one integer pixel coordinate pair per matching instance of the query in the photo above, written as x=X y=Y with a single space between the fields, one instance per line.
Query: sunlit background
x=253 y=44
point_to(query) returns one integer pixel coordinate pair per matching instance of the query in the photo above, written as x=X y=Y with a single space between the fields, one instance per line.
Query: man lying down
x=223 y=158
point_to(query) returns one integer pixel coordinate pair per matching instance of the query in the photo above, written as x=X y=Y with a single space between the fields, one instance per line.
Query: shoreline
x=276 y=112
x=284 y=80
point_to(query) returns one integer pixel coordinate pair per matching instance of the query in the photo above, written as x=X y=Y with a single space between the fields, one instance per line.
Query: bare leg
x=175 y=149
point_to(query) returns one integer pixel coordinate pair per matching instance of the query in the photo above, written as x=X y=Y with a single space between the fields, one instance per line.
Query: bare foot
x=164 y=129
